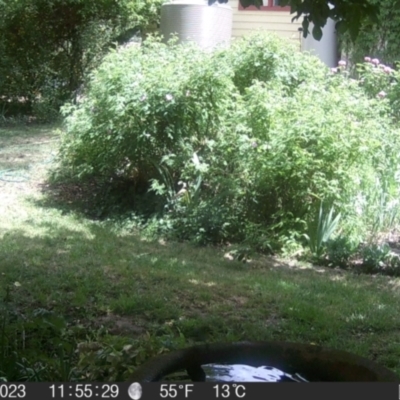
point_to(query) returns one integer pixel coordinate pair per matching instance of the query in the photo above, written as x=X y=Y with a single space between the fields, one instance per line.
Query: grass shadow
x=114 y=289
x=96 y=278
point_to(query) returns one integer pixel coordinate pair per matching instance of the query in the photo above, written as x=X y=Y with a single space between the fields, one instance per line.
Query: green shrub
x=264 y=58
x=48 y=47
x=234 y=153
x=374 y=257
x=327 y=141
x=320 y=230
x=340 y=252
x=143 y=106
x=381 y=81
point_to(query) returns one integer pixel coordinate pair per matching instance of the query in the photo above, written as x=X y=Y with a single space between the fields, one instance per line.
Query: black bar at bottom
x=199 y=391
x=274 y=391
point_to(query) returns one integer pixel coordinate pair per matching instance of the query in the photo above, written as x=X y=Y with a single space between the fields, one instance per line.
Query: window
x=269 y=5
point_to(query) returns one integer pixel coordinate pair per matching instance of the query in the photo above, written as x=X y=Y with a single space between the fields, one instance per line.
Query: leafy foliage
x=374 y=257
x=340 y=251
x=241 y=145
x=134 y=109
x=321 y=230
x=378 y=39
x=48 y=47
x=264 y=58
x=380 y=80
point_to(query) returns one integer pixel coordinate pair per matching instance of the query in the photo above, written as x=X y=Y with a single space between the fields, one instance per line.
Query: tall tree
x=379 y=39
x=48 y=46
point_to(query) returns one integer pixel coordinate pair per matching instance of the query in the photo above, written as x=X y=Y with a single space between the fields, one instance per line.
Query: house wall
x=280 y=22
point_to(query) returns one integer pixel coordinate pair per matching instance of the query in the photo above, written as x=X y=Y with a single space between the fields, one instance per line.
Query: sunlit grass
x=93 y=274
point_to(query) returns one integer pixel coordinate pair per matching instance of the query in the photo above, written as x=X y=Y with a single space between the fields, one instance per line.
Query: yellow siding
x=279 y=22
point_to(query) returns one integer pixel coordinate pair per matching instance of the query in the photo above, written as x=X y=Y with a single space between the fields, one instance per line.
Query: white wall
x=280 y=22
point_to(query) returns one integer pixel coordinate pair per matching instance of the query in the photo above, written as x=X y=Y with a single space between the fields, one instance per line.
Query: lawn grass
x=92 y=285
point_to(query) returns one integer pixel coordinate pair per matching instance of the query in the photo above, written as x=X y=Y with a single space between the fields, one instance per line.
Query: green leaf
x=317 y=32
x=305 y=24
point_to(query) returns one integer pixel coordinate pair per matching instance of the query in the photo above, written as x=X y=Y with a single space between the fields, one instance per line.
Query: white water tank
x=325 y=49
x=195 y=20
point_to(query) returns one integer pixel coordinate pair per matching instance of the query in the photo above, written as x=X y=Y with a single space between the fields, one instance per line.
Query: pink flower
x=382 y=94
x=169 y=97
x=388 y=70
x=342 y=63
x=375 y=61
x=334 y=70
x=367 y=59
